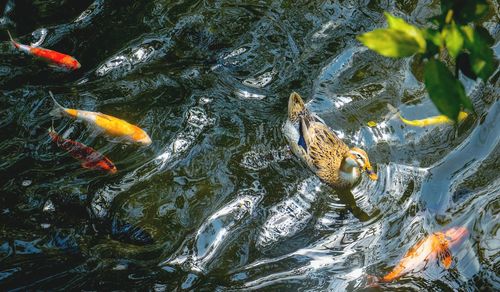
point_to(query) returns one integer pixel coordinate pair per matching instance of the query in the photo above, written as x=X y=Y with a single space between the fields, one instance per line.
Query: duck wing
x=325 y=150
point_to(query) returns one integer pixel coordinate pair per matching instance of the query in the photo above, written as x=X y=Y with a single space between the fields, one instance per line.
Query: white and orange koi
x=433 y=247
x=110 y=125
x=59 y=59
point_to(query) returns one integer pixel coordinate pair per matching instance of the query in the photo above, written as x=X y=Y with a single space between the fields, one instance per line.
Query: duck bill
x=371 y=174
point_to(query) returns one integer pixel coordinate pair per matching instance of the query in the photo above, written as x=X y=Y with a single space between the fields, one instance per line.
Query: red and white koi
x=59 y=59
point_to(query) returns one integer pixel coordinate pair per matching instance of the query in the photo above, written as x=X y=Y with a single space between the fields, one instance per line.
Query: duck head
x=355 y=162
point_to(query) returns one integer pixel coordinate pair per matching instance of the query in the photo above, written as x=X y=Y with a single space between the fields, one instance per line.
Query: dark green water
x=217 y=202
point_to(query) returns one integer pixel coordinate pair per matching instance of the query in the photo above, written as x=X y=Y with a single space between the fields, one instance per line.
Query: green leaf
x=390 y=42
x=482 y=58
x=446 y=5
x=485 y=35
x=399 y=24
x=445 y=91
x=473 y=10
x=434 y=42
x=454 y=39
x=433 y=36
x=463 y=63
x=465 y=11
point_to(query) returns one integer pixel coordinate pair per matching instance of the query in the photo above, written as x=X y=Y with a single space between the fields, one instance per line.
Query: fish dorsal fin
x=104 y=116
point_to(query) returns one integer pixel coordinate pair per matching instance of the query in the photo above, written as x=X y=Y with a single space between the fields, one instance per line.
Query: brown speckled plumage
x=324 y=152
x=296 y=107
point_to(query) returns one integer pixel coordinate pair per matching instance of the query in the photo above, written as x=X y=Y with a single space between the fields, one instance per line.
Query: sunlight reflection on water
x=218 y=201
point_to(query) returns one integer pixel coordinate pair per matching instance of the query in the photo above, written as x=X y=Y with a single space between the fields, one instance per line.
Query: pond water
x=218 y=202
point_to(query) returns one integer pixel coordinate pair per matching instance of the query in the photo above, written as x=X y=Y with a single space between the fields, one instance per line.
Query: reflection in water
x=217 y=202
x=445 y=175
x=197 y=252
x=197 y=121
x=87 y=15
x=291 y=215
x=125 y=62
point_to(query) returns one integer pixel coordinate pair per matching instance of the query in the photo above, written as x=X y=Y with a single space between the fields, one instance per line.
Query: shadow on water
x=218 y=202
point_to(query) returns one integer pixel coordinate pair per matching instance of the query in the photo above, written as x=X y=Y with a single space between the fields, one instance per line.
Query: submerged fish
x=111 y=126
x=436 y=120
x=89 y=156
x=434 y=246
x=59 y=59
x=430 y=121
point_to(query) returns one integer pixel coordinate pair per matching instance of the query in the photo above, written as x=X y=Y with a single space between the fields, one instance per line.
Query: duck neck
x=349 y=171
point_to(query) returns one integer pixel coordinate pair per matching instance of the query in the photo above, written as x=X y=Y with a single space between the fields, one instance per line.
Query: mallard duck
x=326 y=155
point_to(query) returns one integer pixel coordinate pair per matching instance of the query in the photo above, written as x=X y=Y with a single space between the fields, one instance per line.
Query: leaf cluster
x=469 y=47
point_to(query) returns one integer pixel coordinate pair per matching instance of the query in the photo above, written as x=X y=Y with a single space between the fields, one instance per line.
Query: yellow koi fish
x=430 y=121
x=110 y=125
x=436 y=120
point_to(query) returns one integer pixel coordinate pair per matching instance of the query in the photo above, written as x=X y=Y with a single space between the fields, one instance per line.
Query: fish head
x=74 y=64
x=144 y=140
x=455 y=235
x=141 y=137
x=362 y=161
x=113 y=170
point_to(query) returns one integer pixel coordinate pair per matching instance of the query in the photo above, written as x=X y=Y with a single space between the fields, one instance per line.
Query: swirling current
x=217 y=201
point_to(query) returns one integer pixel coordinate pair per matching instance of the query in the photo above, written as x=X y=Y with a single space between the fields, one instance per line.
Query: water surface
x=218 y=202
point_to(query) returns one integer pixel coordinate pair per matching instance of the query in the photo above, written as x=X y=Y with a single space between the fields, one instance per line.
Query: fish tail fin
x=58 y=110
x=51 y=129
x=12 y=40
x=10 y=36
x=395 y=112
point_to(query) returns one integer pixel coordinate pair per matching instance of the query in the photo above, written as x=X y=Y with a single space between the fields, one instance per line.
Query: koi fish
x=434 y=246
x=59 y=59
x=436 y=120
x=90 y=158
x=110 y=125
x=430 y=121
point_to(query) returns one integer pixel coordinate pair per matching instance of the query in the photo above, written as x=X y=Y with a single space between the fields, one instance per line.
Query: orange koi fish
x=59 y=59
x=90 y=158
x=434 y=246
x=110 y=125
